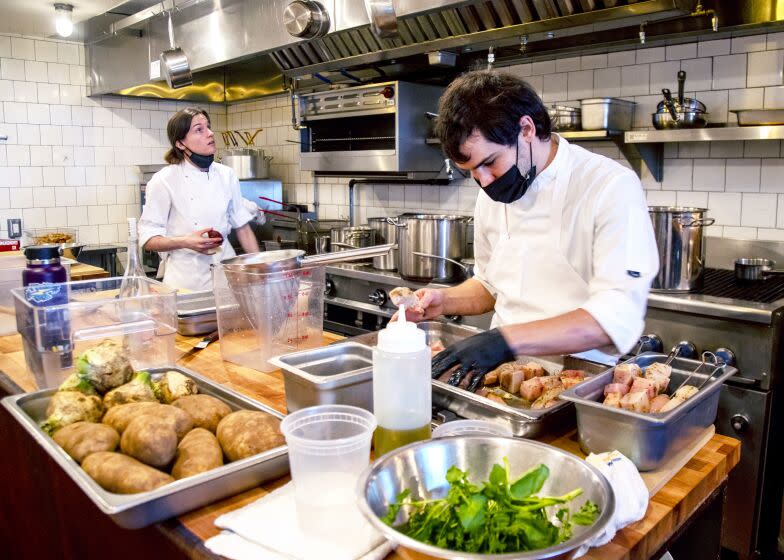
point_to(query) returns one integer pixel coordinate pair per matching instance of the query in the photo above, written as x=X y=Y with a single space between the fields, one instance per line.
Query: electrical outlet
x=14 y=228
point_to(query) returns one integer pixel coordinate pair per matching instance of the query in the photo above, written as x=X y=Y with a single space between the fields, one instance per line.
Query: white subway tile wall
x=72 y=160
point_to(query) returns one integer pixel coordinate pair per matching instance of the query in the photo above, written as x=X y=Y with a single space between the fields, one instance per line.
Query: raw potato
x=118 y=473
x=205 y=410
x=198 y=452
x=119 y=417
x=246 y=432
x=151 y=440
x=83 y=438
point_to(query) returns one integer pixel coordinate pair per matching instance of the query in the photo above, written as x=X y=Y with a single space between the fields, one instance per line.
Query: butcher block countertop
x=694 y=478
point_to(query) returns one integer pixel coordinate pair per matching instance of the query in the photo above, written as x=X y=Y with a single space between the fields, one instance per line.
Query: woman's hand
x=196 y=241
x=432 y=303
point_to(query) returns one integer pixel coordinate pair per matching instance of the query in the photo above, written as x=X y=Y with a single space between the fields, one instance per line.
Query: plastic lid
x=471 y=428
x=42 y=252
x=401 y=336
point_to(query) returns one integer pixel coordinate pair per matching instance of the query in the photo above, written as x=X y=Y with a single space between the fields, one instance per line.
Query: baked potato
x=198 y=452
x=247 y=432
x=205 y=410
x=118 y=473
x=151 y=440
x=80 y=439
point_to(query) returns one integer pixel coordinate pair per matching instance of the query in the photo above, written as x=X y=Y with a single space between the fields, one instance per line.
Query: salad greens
x=496 y=517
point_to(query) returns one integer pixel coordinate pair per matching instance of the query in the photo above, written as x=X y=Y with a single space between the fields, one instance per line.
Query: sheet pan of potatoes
x=145 y=446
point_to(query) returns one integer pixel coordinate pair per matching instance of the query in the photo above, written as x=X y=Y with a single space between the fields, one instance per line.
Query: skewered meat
x=661 y=380
x=660 y=367
x=658 y=403
x=404 y=296
x=613 y=399
x=625 y=373
x=620 y=388
x=532 y=389
x=636 y=401
x=673 y=402
x=548 y=398
x=571 y=377
x=686 y=392
x=642 y=384
x=532 y=369
x=511 y=379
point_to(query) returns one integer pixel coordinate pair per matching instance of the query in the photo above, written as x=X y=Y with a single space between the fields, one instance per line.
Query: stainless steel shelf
x=718 y=134
x=588 y=135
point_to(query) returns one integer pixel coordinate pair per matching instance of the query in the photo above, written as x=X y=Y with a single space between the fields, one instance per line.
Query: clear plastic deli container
x=53 y=336
x=265 y=315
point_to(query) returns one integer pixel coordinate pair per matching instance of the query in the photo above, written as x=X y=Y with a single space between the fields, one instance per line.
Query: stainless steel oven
x=377 y=129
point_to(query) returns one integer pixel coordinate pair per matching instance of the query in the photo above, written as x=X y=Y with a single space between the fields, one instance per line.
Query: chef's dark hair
x=178 y=128
x=491 y=102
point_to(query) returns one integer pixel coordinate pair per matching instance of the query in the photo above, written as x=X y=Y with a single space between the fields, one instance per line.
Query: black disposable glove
x=477 y=354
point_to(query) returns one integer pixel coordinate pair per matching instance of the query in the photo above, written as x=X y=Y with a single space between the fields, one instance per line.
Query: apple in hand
x=218 y=237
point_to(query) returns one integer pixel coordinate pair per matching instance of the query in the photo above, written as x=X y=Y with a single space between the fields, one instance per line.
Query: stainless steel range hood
x=239 y=49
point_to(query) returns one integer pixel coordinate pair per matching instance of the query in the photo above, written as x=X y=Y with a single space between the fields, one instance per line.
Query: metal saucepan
x=174 y=63
x=681 y=103
x=755 y=269
x=668 y=104
x=684 y=119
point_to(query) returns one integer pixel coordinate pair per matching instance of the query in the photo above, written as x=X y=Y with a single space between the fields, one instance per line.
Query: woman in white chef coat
x=190 y=199
x=564 y=248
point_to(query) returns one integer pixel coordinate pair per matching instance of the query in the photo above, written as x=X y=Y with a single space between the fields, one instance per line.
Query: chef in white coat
x=188 y=201
x=564 y=247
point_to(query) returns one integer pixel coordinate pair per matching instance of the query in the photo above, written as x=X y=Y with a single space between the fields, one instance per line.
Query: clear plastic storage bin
x=54 y=336
x=264 y=315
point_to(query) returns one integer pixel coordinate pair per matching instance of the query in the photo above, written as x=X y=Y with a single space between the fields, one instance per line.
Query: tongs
x=715 y=361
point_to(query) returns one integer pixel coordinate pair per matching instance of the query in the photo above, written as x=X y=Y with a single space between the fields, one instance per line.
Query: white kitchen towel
x=631 y=494
x=269 y=529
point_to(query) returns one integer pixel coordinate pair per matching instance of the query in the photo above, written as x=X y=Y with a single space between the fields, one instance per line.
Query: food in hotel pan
x=147 y=434
x=645 y=391
x=53 y=238
x=132 y=493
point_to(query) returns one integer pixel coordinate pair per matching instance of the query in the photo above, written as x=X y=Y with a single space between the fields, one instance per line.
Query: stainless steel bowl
x=422 y=468
x=565 y=118
x=686 y=119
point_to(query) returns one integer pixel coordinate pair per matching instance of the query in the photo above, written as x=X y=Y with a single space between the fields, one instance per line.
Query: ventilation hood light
x=63 y=21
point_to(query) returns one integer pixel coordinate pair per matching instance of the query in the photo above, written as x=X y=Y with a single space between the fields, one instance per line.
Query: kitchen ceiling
x=36 y=17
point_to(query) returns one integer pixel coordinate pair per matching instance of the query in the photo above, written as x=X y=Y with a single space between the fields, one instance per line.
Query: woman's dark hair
x=492 y=103
x=178 y=128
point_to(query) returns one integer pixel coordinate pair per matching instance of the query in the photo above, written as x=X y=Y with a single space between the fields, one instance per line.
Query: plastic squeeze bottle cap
x=401 y=336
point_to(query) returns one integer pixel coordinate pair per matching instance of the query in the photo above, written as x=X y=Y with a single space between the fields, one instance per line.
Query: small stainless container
x=340 y=373
x=196 y=313
x=133 y=511
x=607 y=113
x=649 y=440
x=564 y=118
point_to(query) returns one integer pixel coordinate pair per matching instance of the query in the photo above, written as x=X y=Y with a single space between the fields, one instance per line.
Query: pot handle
x=348 y=255
x=700 y=223
x=394 y=222
x=463 y=267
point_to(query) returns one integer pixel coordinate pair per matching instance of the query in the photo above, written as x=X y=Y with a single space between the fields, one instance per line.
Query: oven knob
x=686 y=349
x=388 y=92
x=379 y=297
x=740 y=423
x=726 y=355
x=329 y=287
x=306 y=19
x=649 y=343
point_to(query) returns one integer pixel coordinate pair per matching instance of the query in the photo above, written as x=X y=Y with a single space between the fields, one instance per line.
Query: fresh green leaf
x=587 y=514
x=394 y=507
x=530 y=483
x=472 y=513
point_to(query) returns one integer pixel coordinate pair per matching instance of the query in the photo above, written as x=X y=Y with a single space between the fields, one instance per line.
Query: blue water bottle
x=44 y=282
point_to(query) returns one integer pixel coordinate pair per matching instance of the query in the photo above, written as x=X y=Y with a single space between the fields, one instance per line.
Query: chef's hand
x=196 y=242
x=478 y=354
x=431 y=305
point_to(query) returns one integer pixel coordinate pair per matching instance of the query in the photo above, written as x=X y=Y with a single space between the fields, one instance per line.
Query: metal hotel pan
x=648 y=440
x=523 y=422
x=133 y=511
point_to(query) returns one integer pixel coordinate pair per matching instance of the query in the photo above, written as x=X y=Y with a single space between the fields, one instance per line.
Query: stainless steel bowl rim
x=601 y=100
x=676 y=209
x=392 y=534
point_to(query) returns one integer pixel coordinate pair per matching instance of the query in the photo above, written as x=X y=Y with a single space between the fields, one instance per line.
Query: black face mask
x=512 y=185
x=200 y=160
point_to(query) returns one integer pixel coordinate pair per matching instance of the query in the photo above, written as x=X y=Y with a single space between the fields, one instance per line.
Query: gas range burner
x=722 y=283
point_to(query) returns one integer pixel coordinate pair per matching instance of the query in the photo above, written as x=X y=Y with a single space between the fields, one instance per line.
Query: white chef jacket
x=181 y=199
x=581 y=237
